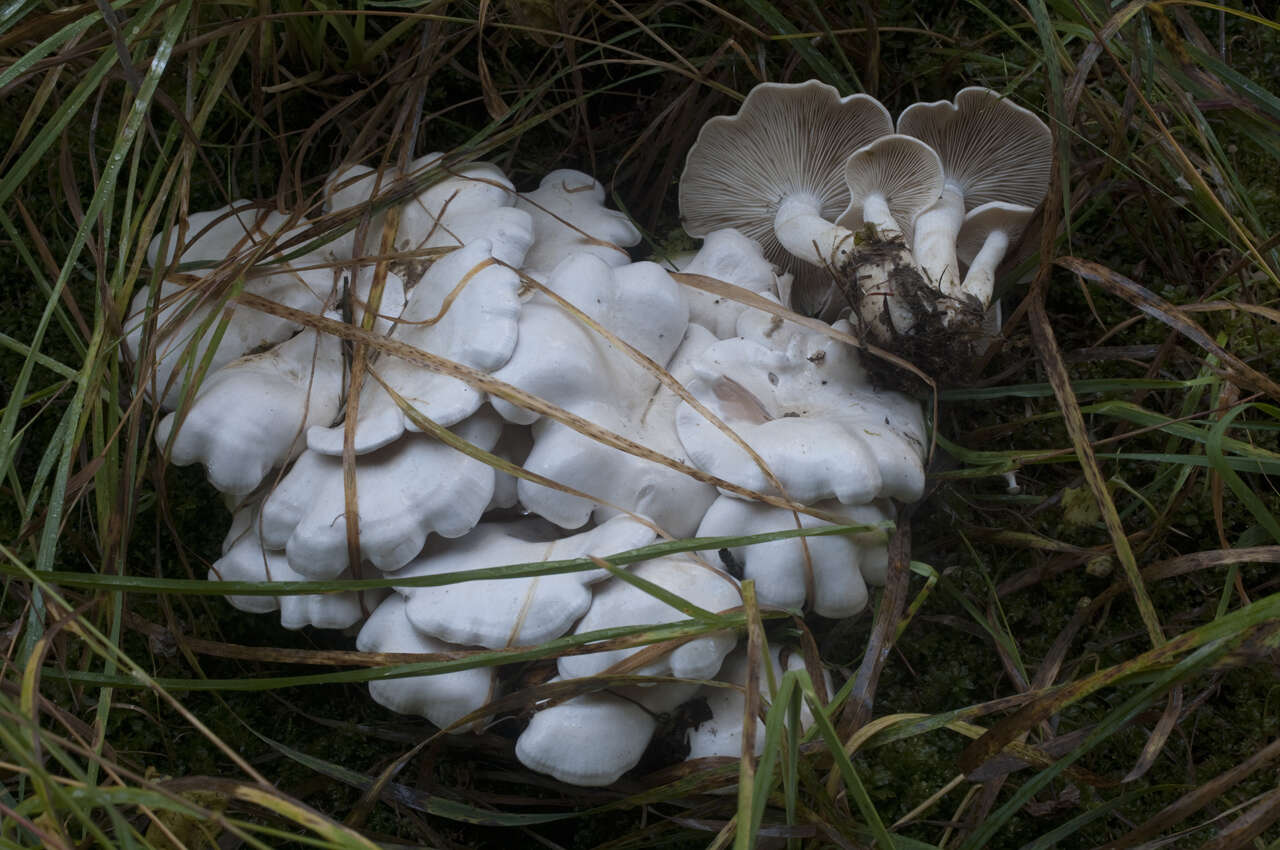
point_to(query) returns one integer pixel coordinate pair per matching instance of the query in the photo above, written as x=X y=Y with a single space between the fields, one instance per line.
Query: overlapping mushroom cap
x=784 y=152
x=829 y=573
x=474 y=201
x=570 y=217
x=251 y=416
x=594 y=738
x=809 y=411
x=730 y=257
x=442 y=698
x=991 y=151
x=244 y=558
x=620 y=603
x=404 y=492
x=721 y=735
x=620 y=481
x=464 y=309
x=186 y=318
x=517 y=611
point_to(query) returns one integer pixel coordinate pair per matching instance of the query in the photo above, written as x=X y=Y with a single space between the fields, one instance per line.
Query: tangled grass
x=1090 y=661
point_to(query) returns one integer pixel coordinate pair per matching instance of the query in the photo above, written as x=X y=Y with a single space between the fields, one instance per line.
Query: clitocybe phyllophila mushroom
x=517 y=611
x=730 y=257
x=620 y=603
x=620 y=481
x=251 y=415
x=405 y=491
x=891 y=181
x=991 y=150
x=808 y=410
x=184 y=318
x=830 y=573
x=985 y=237
x=775 y=171
x=244 y=558
x=721 y=735
x=465 y=309
x=442 y=698
x=570 y=217
x=594 y=738
x=474 y=201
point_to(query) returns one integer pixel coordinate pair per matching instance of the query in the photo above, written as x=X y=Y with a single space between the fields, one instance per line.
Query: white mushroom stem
x=980 y=281
x=935 y=240
x=875 y=212
x=808 y=236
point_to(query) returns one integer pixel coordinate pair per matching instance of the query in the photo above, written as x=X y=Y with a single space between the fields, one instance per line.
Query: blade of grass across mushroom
x=664 y=377
x=753 y=299
x=510 y=393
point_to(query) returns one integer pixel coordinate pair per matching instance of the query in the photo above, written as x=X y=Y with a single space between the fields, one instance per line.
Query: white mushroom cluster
x=872 y=221
x=520 y=336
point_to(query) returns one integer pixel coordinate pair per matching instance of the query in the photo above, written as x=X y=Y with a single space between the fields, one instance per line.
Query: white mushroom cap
x=594 y=738
x=984 y=239
x=405 y=491
x=891 y=181
x=465 y=309
x=786 y=570
x=559 y=359
x=669 y=498
x=475 y=201
x=991 y=150
x=250 y=415
x=811 y=415
x=729 y=256
x=722 y=734
x=214 y=237
x=244 y=558
x=514 y=611
x=787 y=143
x=619 y=603
x=443 y=698
x=570 y=217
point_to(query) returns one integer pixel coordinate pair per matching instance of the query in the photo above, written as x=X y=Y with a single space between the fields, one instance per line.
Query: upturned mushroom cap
x=787 y=141
x=570 y=217
x=250 y=415
x=786 y=571
x=991 y=151
x=244 y=558
x=464 y=309
x=619 y=603
x=991 y=148
x=497 y=613
x=404 y=492
x=979 y=223
x=618 y=480
x=895 y=174
x=443 y=698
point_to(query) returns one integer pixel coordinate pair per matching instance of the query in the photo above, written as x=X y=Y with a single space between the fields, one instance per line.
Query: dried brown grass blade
x=1158 y=308
x=1051 y=357
x=1196 y=799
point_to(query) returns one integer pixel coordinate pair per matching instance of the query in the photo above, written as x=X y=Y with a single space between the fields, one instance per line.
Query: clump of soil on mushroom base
x=949 y=333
